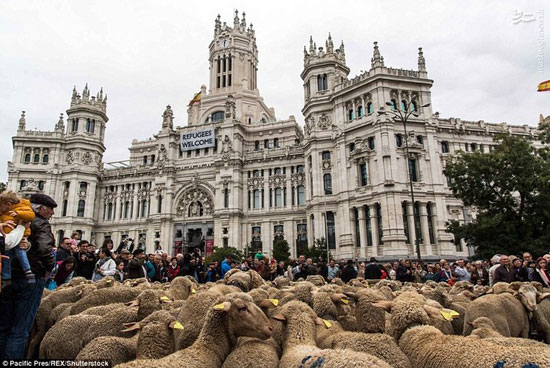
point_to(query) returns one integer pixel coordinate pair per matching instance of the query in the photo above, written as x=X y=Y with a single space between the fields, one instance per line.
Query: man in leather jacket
x=20 y=299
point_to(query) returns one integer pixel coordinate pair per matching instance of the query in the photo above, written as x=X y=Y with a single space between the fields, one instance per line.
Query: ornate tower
x=87 y=116
x=233 y=57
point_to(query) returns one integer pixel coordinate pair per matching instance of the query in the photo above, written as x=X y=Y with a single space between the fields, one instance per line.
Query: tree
x=281 y=250
x=219 y=254
x=318 y=250
x=3 y=187
x=509 y=188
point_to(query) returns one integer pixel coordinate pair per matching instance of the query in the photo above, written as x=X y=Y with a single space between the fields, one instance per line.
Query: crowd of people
x=80 y=258
x=31 y=262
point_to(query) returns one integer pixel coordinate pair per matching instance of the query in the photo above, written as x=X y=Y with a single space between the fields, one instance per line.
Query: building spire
x=421 y=61
x=60 y=126
x=329 y=44
x=377 y=60
x=236 y=19
x=243 y=22
x=311 y=47
x=22 y=121
x=86 y=92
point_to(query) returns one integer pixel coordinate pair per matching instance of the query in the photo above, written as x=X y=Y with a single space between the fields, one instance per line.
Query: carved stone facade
x=344 y=179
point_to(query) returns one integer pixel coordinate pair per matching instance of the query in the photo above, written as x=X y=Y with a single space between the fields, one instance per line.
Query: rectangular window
x=74 y=125
x=444 y=147
x=398 y=140
x=159 y=204
x=363 y=172
x=412 y=170
x=278 y=197
x=369 y=226
x=256 y=198
x=145 y=160
x=380 y=225
x=417 y=230
x=405 y=221
x=351 y=147
x=331 y=233
x=430 y=223
x=301 y=195
x=371 y=143
x=325 y=155
x=226 y=198
x=64 y=209
x=327 y=183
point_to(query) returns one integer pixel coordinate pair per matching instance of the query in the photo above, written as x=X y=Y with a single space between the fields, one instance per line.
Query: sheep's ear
x=470 y=323
x=490 y=291
x=337 y=298
x=165 y=299
x=225 y=306
x=269 y=303
x=279 y=317
x=433 y=312
x=132 y=326
x=383 y=304
x=448 y=314
x=133 y=303
x=350 y=295
x=175 y=325
x=542 y=296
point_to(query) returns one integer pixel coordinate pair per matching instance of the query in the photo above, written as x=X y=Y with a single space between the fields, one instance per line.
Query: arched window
x=301 y=195
x=23 y=184
x=403 y=105
x=80 y=209
x=325 y=155
x=109 y=211
x=278 y=197
x=256 y=173
x=256 y=145
x=217 y=116
x=126 y=209
x=275 y=142
x=277 y=171
x=144 y=208
x=27 y=158
x=322 y=82
x=256 y=198
x=263 y=120
x=370 y=108
x=412 y=170
x=41 y=185
x=36 y=158
x=393 y=104
x=350 y=114
x=327 y=183
x=360 y=111
x=363 y=174
x=45 y=159
x=414 y=106
x=398 y=140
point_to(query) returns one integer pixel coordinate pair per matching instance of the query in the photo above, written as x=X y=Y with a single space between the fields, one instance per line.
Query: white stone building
x=344 y=178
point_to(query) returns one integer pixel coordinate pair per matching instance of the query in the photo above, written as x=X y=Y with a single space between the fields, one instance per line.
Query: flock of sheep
x=242 y=321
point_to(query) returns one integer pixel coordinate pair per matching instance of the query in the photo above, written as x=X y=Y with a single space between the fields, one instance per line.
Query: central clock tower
x=233 y=57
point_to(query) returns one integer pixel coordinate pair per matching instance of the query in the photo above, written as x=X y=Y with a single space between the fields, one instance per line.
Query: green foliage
x=510 y=190
x=3 y=187
x=219 y=254
x=281 y=251
x=318 y=250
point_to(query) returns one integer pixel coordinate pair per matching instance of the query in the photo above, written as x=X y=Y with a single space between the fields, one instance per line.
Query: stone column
x=424 y=228
x=374 y=229
x=410 y=221
x=363 y=230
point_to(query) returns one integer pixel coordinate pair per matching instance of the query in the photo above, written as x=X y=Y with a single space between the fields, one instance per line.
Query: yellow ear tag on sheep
x=345 y=301
x=178 y=326
x=449 y=315
x=218 y=306
x=165 y=299
x=275 y=302
x=327 y=323
x=193 y=291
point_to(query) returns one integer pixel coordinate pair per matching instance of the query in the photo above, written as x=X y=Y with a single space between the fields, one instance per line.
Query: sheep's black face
x=248 y=319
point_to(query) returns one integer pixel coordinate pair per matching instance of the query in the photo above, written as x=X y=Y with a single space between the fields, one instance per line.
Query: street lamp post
x=403 y=116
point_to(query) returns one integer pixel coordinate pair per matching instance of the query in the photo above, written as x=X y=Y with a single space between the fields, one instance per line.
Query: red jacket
x=173 y=272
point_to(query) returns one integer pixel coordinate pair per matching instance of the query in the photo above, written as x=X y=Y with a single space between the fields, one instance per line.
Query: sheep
x=512 y=319
x=105 y=296
x=316 y=280
x=281 y=281
x=427 y=347
x=541 y=319
x=47 y=304
x=240 y=279
x=303 y=291
x=115 y=349
x=56 y=313
x=180 y=288
x=484 y=328
x=192 y=315
x=108 y=281
x=101 y=310
x=247 y=351
x=369 y=318
x=233 y=315
x=63 y=341
x=330 y=335
x=299 y=346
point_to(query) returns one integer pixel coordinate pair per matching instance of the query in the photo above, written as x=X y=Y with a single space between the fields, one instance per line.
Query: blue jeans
x=19 y=302
x=21 y=257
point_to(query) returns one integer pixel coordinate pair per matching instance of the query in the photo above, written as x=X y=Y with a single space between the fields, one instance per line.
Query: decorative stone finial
x=22 y=121
x=421 y=61
x=377 y=60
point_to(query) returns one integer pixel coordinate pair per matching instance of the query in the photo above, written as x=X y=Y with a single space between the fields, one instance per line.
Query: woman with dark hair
x=65 y=271
x=105 y=266
x=541 y=273
x=108 y=243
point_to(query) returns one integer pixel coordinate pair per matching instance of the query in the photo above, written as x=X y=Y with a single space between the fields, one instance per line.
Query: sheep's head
x=530 y=296
x=182 y=288
x=239 y=279
x=244 y=317
x=296 y=321
x=148 y=302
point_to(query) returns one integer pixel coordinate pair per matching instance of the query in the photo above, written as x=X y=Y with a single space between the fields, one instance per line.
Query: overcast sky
x=484 y=56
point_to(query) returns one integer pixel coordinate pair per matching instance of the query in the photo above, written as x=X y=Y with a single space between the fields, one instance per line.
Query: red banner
x=209 y=246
